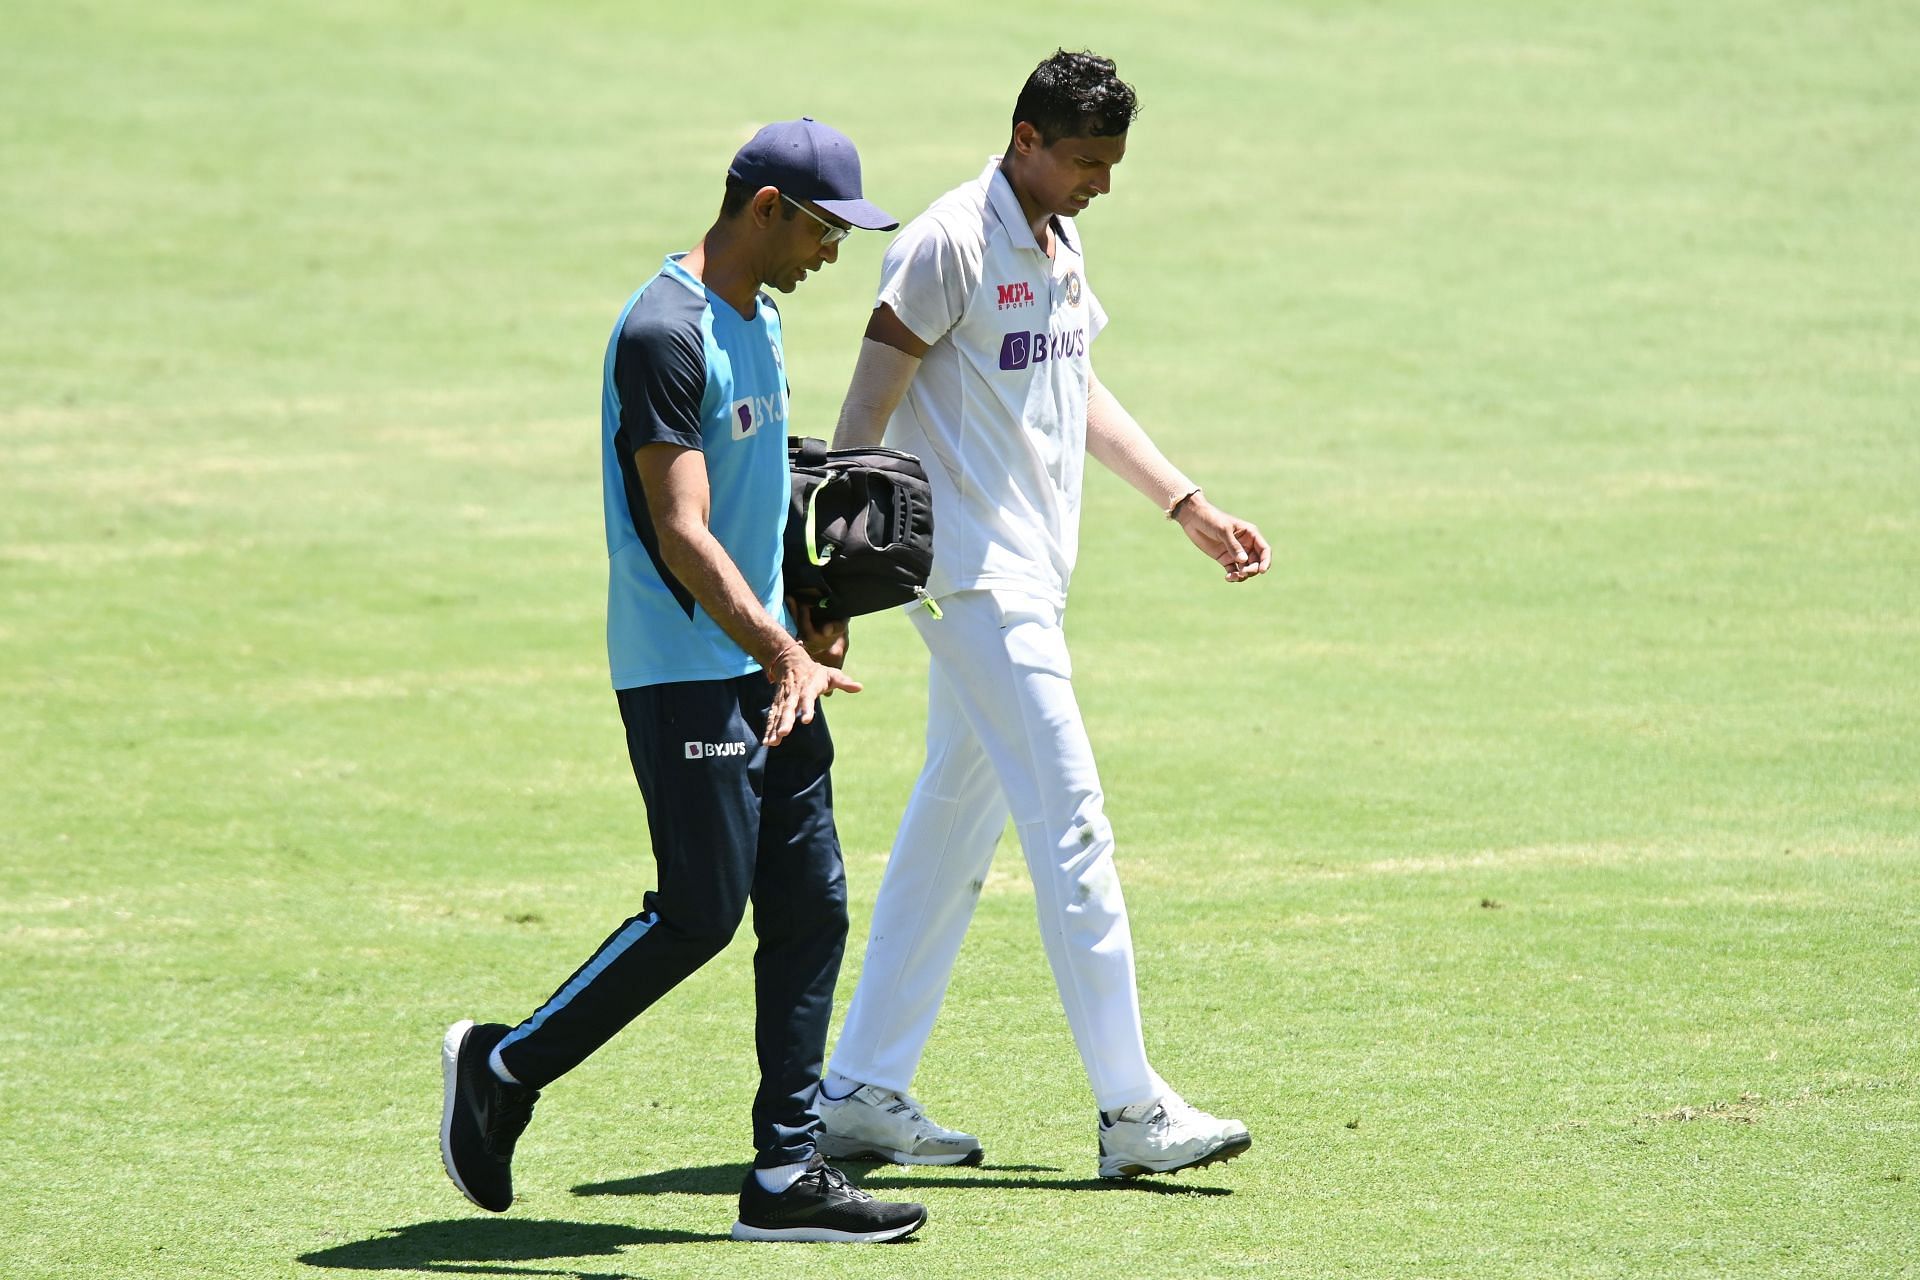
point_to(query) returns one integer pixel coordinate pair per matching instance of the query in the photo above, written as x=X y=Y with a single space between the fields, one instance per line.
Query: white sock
x=837 y=1086
x=777 y=1180
x=499 y=1067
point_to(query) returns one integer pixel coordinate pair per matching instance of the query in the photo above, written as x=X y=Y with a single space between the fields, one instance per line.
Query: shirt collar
x=672 y=269
x=1007 y=206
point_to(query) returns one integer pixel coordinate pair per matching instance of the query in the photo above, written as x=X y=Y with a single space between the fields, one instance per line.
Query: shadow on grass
x=486 y=1246
x=894 y=1182
x=719 y=1179
x=700 y=1180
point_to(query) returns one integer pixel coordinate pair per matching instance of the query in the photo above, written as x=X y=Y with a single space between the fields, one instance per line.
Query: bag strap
x=807 y=451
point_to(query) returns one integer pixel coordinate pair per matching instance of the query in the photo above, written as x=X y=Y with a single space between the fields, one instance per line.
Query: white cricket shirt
x=998 y=408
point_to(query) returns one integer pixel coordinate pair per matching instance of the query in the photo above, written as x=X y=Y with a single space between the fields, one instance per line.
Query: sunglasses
x=829 y=234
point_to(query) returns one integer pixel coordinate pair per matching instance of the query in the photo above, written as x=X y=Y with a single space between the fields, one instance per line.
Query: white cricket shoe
x=873 y=1123
x=1164 y=1135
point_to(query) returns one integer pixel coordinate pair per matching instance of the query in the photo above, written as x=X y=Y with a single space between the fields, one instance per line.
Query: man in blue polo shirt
x=718 y=698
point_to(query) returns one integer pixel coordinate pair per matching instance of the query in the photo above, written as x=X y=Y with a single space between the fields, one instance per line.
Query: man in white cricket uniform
x=976 y=360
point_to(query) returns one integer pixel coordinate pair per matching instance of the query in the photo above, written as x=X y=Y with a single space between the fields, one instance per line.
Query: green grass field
x=1533 y=859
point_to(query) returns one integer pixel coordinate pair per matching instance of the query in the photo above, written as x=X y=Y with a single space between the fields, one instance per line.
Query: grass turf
x=1530 y=860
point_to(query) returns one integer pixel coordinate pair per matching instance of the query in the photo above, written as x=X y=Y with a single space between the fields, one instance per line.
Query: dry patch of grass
x=1743 y=1110
x=1748 y=1108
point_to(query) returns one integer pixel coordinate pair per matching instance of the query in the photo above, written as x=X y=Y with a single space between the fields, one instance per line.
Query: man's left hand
x=1233 y=543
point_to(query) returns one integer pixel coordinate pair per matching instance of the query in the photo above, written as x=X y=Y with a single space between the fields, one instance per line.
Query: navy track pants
x=732 y=822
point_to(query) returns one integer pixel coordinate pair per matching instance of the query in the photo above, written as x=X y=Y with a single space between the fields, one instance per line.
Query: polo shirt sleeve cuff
x=926 y=328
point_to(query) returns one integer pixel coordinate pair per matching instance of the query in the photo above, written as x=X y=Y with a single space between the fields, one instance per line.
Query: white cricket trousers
x=1004 y=736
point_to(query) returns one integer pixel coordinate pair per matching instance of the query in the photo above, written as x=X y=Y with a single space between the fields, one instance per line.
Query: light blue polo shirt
x=684 y=368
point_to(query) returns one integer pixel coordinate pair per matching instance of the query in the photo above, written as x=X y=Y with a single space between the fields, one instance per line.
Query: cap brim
x=867 y=217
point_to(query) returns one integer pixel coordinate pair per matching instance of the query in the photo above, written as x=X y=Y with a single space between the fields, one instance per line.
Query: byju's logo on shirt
x=1014 y=350
x=1017 y=294
x=1018 y=350
x=750 y=414
x=710 y=750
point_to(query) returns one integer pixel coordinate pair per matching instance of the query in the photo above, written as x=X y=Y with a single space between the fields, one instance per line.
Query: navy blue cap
x=813 y=162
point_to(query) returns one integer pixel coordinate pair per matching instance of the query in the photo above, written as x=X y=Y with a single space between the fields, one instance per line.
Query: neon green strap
x=813 y=547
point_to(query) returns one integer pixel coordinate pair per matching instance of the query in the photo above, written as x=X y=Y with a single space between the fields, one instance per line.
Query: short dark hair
x=1075 y=94
x=736 y=198
x=740 y=194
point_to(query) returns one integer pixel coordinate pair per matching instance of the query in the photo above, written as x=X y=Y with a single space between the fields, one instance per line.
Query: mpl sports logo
x=712 y=750
x=1017 y=294
x=749 y=415
x=1018 y=350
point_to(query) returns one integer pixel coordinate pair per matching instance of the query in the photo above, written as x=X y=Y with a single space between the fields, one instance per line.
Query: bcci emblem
x=1073 y=288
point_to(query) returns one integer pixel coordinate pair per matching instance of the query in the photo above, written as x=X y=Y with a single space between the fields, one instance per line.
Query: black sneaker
x=482 y=1116
x=822 y=1205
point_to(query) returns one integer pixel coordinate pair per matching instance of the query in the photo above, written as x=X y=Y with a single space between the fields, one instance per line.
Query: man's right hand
x=798 y=683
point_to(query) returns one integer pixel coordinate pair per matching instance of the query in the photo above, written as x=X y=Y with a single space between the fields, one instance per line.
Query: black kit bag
x=859 y=529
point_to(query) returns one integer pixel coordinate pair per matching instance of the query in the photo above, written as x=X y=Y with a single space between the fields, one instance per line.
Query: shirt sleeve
x=660 y=375
x=1096 y=314
x=923 y=279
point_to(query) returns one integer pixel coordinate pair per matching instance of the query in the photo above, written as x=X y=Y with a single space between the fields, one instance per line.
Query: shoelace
x=511 y=1113
x=1160 y=1117
x=915 y=1112
x=831 y=1179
